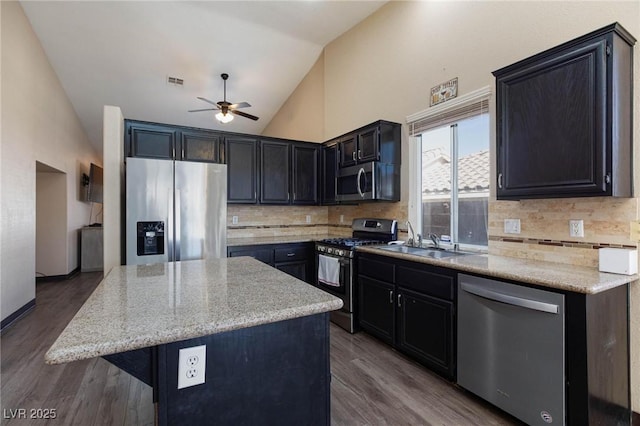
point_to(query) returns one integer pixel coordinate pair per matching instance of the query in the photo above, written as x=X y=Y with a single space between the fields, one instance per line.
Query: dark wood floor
x=371 y=384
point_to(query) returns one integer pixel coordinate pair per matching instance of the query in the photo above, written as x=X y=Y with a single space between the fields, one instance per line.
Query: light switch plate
x=191 y=366
x=512 y=226
x=234 y=220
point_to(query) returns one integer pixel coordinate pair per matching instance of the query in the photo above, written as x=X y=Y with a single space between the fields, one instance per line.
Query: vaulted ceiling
x=122 y=52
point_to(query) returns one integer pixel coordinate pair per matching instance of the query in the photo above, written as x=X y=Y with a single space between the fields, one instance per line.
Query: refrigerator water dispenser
x=150 y=237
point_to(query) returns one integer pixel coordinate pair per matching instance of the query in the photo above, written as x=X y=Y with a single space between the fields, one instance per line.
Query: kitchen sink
x=432 y=252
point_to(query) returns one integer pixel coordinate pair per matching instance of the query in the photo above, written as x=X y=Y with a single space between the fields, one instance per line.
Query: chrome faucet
x=435 y=239
x=413 y=235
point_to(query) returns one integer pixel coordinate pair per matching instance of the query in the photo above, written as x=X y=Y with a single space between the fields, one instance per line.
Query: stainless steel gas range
x=335 y=264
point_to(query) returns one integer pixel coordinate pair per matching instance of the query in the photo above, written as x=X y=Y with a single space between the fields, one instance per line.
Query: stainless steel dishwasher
x=511 y=348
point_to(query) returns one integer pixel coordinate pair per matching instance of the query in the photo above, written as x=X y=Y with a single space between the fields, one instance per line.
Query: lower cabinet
x=410 y=306
x=296 y=259
x=376 y=302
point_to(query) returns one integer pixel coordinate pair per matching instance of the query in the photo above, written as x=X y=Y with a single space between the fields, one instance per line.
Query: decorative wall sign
x=444 y=91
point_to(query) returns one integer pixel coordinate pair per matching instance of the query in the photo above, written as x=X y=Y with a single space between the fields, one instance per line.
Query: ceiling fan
x=227 y=109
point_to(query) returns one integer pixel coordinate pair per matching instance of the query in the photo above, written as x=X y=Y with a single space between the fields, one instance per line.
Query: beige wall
x=385 y=66
x=38 y=124
x=301 y=117
x=51 y=223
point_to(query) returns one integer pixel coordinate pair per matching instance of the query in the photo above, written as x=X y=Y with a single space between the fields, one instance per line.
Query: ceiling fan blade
x=240 y=105
x=205 y=109
x=243 y=114
x=207 y=100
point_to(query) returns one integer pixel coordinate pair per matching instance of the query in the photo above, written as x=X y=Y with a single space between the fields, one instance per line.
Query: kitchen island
x=266 y=336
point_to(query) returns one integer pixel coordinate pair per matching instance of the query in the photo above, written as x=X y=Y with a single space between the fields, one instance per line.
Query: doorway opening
x=51 y=222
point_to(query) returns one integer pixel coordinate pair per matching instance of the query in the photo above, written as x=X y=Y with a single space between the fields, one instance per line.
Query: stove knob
x=322 y=248
x=341 y=252
x=329 y=250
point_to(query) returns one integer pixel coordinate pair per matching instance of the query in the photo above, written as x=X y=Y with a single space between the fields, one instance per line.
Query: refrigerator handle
x=177 y=225
x=169 y=233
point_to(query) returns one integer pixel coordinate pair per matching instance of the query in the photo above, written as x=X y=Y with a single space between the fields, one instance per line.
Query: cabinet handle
x=500 y=180
x=359 y=155
x=399 y=301
x=607 y=179
x=290 y=254
x=353 y=156
x=391 y=297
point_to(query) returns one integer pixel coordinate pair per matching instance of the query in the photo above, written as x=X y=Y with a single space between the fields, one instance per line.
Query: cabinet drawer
x=287 y=254
x=376 y=269
x=427 y=282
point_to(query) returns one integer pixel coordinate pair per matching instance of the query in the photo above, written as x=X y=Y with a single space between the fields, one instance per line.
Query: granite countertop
x=579 y=279
x=139 y=306
x=249 y=241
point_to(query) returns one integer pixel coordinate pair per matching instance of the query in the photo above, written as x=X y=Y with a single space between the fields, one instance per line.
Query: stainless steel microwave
x=373 y=181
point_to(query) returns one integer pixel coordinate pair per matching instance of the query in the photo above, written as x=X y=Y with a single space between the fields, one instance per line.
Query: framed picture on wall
x=444 y=91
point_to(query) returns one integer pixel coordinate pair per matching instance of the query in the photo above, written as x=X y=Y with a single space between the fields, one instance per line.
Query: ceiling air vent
x=175 y=80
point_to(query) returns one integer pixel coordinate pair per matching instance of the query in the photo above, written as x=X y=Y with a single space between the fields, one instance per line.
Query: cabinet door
x=376 y=303
x=425 y=330
x=151 y=141
x=263 y=254
x=552 y=118
x=200 y=146
x=348 y=147
x=328 y=184
x=242 y=175
x=304 y=178
x=274 y=172
x=368 y=145
x=296 y=269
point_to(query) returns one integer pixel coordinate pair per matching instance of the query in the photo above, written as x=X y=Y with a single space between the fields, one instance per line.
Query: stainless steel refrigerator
x=175 y=210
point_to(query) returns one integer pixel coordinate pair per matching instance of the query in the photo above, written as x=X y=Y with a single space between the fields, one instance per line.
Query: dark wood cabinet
x=242 y=170
x=564 y=120
x=348 y=147
x=289 y=172
x=304 y=173
x=426 y=330
x=163 y=141
x=378 y=141
x=329 y=167
x=410 y=306
x=150 y=140
x=296 y=259
x=274 y=172
x=376 y=306
x=200 y=146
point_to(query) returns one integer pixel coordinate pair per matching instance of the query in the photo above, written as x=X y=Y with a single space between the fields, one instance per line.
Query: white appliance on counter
x=175 y=210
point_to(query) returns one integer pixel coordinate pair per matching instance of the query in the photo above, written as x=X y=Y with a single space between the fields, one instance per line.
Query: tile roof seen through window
x=473 y=172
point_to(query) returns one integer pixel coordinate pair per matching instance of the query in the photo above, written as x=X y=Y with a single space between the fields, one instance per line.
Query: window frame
x=441 y=112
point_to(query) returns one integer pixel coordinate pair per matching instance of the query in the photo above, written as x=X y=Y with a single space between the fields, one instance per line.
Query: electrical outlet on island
x=191 y=366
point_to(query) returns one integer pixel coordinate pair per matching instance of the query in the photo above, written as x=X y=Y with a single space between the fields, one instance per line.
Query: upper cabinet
x=289 y=172
x=160 y=141
x=305 y=160
x=378 y=141
x=150 y=140
x=240 y=154
x=329 y=166
x=564 y=120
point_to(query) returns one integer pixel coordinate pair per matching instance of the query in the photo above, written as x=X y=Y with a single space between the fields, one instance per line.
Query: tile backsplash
x=545 y=228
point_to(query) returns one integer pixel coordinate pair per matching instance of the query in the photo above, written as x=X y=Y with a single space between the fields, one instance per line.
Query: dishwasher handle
x=509 y=300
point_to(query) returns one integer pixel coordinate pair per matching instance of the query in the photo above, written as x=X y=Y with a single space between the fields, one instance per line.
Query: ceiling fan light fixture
x=224 y=118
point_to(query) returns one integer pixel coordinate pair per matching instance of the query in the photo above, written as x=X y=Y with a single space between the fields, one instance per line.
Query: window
x=452 y=173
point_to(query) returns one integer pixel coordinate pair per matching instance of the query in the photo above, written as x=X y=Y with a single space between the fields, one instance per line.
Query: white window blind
x=474 y=103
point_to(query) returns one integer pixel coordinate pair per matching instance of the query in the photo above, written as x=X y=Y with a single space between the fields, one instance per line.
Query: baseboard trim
x=17 y=314
x=57 y=277
x=635 y=418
